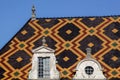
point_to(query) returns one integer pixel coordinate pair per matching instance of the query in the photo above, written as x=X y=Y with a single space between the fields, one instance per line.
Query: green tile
x=114 y=44
x=65 y=72
x=16 y=73
x=21 y=45
x=67 y=45
x=115 y=18
x=46 y=32
x=91 y=31
x=114 y=73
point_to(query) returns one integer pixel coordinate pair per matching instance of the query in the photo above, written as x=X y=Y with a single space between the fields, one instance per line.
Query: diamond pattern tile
x=112 y=58
x=69 y=31
x=66 y=59
x=113 y=30
x=91 y=41
x=19 y=59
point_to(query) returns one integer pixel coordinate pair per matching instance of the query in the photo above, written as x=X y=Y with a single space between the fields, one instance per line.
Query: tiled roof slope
x=69 y=36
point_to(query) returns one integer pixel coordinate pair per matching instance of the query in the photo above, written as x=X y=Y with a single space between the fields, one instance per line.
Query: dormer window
x=43 y=63
x=89 y=69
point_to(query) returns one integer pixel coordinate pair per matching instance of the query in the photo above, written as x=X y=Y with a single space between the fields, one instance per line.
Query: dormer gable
x=43 y=49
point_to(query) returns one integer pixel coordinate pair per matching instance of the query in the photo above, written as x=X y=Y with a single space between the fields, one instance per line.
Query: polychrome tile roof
x=69 y=37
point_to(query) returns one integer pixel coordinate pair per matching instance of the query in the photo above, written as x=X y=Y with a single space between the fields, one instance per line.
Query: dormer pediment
x=43 y=49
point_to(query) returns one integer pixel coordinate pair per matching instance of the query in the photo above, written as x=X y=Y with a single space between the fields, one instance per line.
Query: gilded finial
x=43 y=41
x=33 y=13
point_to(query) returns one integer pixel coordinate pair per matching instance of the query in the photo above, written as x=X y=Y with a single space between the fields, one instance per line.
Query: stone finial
x=43 y=41
x=33 y=13
x=88 y=50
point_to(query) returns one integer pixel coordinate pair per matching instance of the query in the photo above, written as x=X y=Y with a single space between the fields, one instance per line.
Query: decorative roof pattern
x=69 y=37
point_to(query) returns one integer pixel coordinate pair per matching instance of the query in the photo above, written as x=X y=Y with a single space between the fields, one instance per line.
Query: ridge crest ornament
x=33 y=17
x=89 y=69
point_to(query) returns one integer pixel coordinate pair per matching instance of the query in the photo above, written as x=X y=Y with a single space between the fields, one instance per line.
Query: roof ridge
x=52 y=17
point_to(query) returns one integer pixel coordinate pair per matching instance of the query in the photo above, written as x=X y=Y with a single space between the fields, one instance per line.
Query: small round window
x=89 y=70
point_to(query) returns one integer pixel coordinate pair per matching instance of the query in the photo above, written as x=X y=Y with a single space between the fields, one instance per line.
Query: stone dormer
x=89 y=69
x=43 y=63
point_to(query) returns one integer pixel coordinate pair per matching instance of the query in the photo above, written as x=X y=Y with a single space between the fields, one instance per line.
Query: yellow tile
x=24 y=32
x=19 y=59
x=68 y=31
x=114 y=30
x=66 y=58
x=90 y=44
x=114 y=58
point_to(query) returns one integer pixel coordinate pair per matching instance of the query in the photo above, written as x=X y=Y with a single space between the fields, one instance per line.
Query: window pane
x=46 y=67
x=40 y=67
x=43 y=67
x=89 y=70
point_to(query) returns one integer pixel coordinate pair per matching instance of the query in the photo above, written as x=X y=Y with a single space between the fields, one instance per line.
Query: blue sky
x=15 y=13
